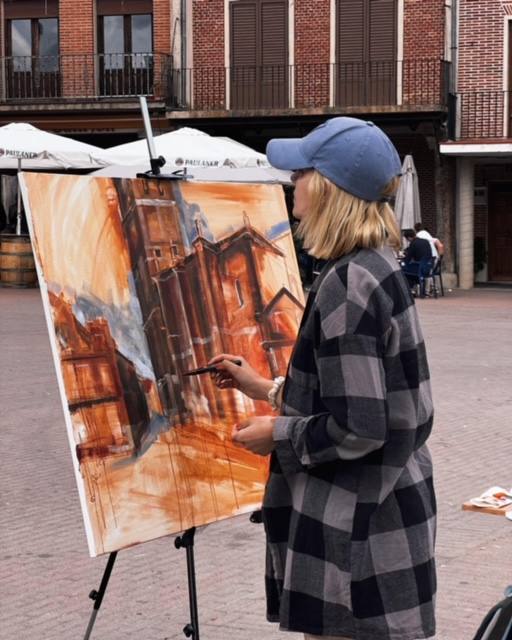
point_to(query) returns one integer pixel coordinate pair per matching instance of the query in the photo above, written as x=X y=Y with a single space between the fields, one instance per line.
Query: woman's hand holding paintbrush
x=234 y=372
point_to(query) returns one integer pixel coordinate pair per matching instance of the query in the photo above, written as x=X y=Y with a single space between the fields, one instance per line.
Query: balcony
x=479 y=116
x=76 y=78
x=385 y=86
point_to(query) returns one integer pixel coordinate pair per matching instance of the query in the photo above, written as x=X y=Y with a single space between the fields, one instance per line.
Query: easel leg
x=97 y=596
x=191 y=630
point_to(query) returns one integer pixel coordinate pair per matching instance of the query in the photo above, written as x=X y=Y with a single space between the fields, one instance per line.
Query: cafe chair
x=421 y=271
x=436 y=284
x=497 y=624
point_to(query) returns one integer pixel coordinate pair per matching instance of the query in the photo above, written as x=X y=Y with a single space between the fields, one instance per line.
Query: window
x=366 y=43
x=32 y=47
x=125 y=46
x=259 y=53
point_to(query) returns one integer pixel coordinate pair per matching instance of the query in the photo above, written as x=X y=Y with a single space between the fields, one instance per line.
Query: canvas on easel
x=142 y=281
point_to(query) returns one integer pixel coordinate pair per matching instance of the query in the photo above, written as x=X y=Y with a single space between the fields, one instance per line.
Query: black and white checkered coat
x=349 y=508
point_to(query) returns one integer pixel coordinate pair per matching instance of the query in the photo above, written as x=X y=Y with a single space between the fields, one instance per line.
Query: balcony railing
x=480 y=115
x=85 y=76
x=409 y=83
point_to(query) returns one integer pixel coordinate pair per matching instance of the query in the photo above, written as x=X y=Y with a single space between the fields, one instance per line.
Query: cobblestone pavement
x=46 y=573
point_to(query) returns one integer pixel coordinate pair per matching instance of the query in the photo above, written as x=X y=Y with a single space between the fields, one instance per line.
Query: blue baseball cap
x=354 y=154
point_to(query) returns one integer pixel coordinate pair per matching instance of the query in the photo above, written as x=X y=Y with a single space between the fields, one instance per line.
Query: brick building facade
x=77 y=66
x=480 y=144
x=432 y=73
x=385 y=60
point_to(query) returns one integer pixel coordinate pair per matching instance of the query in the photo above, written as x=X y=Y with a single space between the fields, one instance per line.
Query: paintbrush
x=210 y=369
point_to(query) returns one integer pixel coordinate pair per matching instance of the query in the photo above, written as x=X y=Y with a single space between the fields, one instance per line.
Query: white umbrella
x=407 y=201
x=188 y=147
x=215 y=174
x=36 y=149
x=25 y=146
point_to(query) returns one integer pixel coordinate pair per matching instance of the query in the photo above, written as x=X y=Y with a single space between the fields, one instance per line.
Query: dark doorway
x=366 y=52
x=259 y=54
x=500 y=232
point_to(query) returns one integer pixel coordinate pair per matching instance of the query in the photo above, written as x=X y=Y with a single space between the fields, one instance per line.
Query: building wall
x=312 y=52
x=423 y=50
x=208 y=52
x=481 y=68
x=77 y=26
x=480 y=47
x=78 y=42
x=423 y=29
x=162 y=31
x=423 y=38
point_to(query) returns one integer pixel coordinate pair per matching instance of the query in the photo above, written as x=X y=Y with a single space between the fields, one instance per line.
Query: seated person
x=419 y=251
x=435 y=244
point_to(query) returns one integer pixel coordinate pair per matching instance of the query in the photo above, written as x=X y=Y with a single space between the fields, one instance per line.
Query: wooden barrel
x=17 y=266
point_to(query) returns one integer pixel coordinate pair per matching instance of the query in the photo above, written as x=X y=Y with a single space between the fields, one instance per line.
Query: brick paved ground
x=46 y=574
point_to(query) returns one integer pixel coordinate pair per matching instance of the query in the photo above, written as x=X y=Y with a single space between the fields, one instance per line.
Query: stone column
x=465 y=222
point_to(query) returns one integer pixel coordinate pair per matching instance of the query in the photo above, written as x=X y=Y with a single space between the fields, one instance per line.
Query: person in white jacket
x=435 y=244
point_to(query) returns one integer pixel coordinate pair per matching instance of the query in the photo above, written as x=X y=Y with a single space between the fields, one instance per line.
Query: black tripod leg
x=191 y=630
x=97 y=596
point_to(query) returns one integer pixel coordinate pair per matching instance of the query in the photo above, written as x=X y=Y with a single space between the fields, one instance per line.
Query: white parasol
x=189 y=148
x=407 y=201
x=23 y=146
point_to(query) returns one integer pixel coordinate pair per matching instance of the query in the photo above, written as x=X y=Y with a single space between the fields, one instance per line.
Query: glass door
x=126 y=57
x=33 y=60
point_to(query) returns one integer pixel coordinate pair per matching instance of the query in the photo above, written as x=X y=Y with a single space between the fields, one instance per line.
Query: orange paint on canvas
x=144 y=281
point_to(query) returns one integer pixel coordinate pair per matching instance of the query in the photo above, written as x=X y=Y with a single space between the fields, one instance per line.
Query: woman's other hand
x=243 y=377
x=255 y=434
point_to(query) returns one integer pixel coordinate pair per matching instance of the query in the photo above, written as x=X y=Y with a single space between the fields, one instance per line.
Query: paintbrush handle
x=209 y=369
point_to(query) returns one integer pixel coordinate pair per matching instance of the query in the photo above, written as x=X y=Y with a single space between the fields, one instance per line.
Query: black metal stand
x=191 y=630
x=97 y=596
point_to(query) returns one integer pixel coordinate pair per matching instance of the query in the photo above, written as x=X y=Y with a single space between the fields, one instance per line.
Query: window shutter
x=382 y=30
x=350 y=44
x=243 y=34
x=273 y=53
x=274 y=33
x=259 y=53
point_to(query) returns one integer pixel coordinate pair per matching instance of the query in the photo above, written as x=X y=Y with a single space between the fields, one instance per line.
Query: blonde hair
x=338 y=222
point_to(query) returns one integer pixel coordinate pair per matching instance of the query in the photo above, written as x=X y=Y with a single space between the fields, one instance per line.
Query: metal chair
x=497 y=624
x=436 y=287
x=420 y=272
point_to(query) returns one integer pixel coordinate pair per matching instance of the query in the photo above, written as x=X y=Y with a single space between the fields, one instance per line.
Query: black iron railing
x=383 y=83
x=480 y=115
x=91 y=76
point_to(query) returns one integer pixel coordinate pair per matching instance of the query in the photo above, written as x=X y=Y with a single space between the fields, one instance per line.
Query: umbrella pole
x=18 y=207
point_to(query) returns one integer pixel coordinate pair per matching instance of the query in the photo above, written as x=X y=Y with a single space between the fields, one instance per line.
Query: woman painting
x=349 y=508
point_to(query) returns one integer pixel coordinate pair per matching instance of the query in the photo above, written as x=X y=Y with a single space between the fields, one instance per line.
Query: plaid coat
x=349 y=508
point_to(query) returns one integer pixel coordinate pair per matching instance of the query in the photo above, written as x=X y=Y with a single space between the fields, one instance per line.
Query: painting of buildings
x=143 y=281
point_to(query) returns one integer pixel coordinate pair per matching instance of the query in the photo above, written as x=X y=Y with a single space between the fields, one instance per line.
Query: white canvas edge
x=60 y=380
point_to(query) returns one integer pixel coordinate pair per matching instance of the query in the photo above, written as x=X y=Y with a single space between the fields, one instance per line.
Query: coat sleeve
x=352 y=389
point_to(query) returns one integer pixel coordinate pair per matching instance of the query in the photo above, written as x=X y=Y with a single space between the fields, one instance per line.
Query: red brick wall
x=423 y=50
x=480 y=68
x=77 y=26
x=423 y=29
x=312 y=43
x=161 y=44
x=424 y=33
x=208 y=53
x=77 y=46
x=162 y=26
